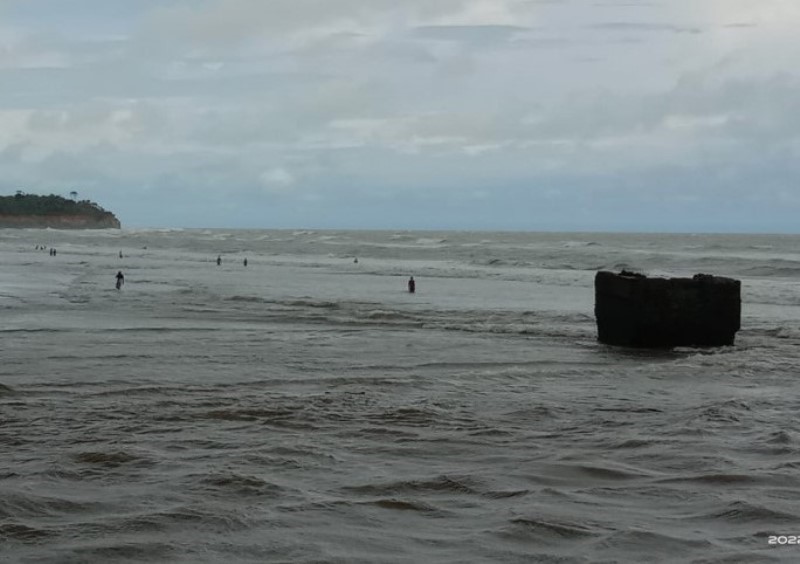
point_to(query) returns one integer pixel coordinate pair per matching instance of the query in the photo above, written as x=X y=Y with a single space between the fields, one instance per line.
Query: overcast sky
x=612 y=115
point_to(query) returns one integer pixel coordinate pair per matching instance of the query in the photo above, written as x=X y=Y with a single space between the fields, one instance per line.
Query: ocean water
x=307 y=409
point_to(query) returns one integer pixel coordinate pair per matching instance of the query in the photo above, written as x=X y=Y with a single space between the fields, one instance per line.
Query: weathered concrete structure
x=636 y=311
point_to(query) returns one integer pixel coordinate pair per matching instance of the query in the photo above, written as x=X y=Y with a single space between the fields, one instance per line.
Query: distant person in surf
x=244 y=262
x=219 y=260
x=412 y=286
x=120 y=279
x=355 y=260
x=120 y=254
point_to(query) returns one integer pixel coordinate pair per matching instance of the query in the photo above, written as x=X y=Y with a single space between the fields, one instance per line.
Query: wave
x=395 y=504
x=602 y=472
x=36 y=330
x=390 y=316
x=744 y=512
x=791 y=464
x=715 y=479
x=295 y=417
x=782 y=332
x=630 y=409
x=344 y=313
x=106 y=459
x=504 y=262
x=19 y=532
x=141 y=390
x=203 y=516
x=248 y=299
x=779 y=437
x=650 y=544
x=411 y=416
x=439 y=484
x=549 y=530
x=158 y=231
x=632 y=444
x=15 y=505
x=226 y=484
x=147 y=551
x=535 y=414
x=246 y=414
x=310 y=302
x=730 y=411
x=579 y=244
x=772 y=272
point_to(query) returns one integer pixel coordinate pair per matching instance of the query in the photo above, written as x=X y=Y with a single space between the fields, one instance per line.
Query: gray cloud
x=644 y=27
x=312 y=109
x=239 y=20
x=477 y=34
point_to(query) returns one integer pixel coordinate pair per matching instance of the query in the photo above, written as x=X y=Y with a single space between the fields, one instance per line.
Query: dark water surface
x=306 y=409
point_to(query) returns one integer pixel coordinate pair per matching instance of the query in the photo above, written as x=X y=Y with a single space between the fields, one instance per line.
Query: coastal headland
x=56 y=212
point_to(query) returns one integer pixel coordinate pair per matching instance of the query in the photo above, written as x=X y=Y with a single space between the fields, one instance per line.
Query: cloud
x=343 y=103
x=277 y=180
x=479 y=35
x=644 y=27
x=237 y=21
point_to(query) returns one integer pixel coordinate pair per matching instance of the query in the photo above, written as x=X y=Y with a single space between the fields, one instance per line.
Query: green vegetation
x=30 y=204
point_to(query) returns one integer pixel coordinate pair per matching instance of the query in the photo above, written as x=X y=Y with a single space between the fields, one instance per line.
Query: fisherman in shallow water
x=244 y=262
x=120 y=279
x=219 y=260
x=412 y=286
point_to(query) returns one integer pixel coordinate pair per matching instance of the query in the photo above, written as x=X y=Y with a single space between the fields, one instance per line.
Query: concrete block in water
x=634 y=310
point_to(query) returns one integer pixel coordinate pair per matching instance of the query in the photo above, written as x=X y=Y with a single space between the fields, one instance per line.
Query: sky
x=533 y=115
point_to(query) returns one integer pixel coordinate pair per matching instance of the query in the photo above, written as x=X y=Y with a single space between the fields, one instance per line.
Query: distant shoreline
x=454 y=230
x=25 y=211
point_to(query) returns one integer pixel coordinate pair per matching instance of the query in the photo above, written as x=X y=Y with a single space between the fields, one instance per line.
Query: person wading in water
x=120 y=279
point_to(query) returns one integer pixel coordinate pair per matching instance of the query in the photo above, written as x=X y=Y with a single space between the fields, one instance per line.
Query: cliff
x=31 y=211
x=59 y=221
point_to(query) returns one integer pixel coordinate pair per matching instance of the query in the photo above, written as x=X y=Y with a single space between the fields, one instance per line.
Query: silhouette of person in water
x=219 y=260
x=120 y=279
x=412 y=286
x=245 y=262
x=120 y=254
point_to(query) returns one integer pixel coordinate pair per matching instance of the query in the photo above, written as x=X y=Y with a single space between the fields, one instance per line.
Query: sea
x=306 y=408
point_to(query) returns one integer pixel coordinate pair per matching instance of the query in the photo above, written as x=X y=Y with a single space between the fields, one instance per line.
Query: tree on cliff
x=31 y=204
